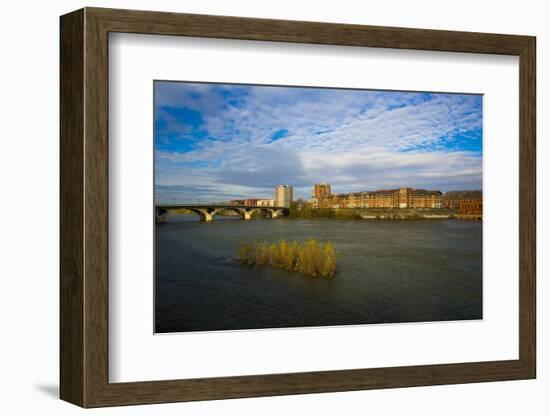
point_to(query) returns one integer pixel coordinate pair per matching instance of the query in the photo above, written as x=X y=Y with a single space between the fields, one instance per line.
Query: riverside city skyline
x=323 y=197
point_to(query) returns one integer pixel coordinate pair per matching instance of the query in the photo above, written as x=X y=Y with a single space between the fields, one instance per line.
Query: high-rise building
x=283 y=195
x=321 y=197
x=321 y=190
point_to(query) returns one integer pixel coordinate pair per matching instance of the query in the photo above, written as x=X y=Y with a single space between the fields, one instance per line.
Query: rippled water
x=388 y=271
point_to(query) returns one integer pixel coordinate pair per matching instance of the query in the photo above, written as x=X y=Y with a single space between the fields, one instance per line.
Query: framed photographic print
x=255 y=207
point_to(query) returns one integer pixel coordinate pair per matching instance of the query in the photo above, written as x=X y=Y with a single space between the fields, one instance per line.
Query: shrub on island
x=310 y=258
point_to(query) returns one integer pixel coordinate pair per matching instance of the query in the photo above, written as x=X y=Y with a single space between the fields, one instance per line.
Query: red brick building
x=386 y=198
x=470 y=207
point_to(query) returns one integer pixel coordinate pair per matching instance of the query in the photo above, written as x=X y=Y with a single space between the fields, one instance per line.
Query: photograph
x=280 y=206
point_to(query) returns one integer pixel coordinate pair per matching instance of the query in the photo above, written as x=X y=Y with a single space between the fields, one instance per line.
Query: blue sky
x=223 y=141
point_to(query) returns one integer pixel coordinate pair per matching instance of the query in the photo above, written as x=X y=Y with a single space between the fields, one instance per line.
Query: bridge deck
x=207 y=212
x=202 y=206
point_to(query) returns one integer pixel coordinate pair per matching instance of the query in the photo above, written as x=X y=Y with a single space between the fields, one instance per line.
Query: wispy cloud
x=218 y=141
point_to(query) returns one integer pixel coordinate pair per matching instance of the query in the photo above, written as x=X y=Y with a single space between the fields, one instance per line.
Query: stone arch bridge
x=207 y=212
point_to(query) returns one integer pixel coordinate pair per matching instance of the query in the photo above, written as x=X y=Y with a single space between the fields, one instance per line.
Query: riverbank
x=353 y=214
x=376 y=213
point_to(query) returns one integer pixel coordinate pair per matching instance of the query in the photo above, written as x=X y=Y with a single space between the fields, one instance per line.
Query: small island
x=309 y=258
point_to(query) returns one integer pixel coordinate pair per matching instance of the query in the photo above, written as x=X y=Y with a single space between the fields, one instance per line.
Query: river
x=389 y=271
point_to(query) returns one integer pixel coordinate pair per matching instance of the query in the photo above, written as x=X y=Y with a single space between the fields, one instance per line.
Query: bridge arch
x=275 y=212
x=207 y=213
x=244 y=212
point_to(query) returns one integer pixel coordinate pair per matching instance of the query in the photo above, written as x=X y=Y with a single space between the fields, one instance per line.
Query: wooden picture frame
x=84 y=207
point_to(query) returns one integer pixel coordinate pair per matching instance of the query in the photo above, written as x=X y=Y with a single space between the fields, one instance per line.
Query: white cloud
x=353 y=139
